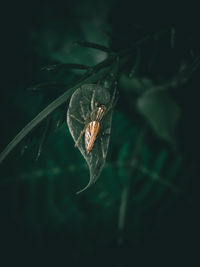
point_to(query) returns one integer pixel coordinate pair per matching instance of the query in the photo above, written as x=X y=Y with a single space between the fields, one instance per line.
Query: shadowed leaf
x=161 y=112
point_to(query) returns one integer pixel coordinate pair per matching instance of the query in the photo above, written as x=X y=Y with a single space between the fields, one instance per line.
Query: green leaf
x=81 y=103
x=161 y=111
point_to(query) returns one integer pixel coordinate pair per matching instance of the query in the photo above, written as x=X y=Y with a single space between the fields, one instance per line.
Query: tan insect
x=93 y=122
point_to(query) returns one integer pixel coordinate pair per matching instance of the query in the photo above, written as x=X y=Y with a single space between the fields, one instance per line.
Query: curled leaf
x=80 y=107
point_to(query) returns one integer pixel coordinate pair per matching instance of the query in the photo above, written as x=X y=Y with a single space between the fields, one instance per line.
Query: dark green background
x=42 y=221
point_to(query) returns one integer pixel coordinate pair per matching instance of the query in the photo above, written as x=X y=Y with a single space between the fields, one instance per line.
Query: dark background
x=42 y=221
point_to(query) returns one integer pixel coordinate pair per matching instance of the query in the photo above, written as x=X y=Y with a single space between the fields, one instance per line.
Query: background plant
x=146 y=201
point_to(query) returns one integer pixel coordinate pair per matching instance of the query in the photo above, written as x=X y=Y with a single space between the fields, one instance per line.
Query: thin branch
x=65 y=66
x=125 y=192
x=122 y=212
x=94 y=45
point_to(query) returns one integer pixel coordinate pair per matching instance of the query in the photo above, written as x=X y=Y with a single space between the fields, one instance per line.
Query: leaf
x=95 y=159
x=161 y=111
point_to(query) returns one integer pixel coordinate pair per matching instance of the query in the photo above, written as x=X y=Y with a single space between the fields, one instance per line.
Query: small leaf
x=161 y=111
x=96 y=158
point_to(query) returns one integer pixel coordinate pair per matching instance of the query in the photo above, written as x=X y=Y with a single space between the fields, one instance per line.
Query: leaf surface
x=96 y=158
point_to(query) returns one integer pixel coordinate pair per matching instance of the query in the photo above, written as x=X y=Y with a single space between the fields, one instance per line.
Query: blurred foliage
x=144 y=208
